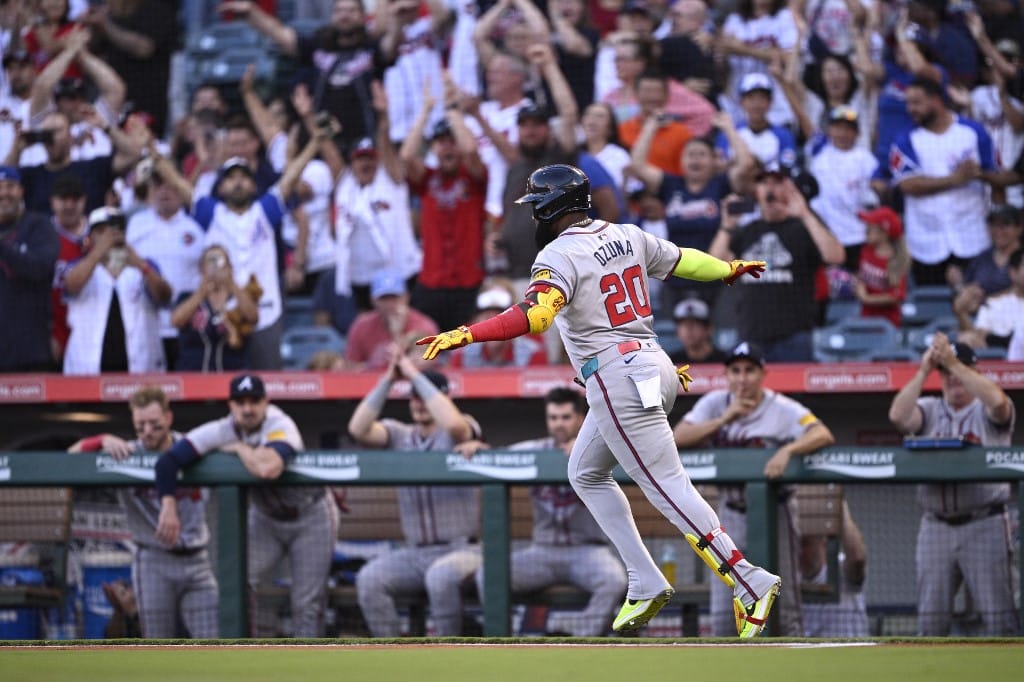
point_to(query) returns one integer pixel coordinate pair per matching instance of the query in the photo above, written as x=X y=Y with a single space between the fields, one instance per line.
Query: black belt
x=976 y=515
x=184 y=551
x=468 y=541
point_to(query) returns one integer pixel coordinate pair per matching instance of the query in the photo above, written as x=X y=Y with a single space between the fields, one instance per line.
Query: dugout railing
x=495 y=472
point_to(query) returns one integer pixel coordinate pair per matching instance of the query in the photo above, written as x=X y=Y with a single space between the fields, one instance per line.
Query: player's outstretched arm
x=533 y=315
x=703 y=267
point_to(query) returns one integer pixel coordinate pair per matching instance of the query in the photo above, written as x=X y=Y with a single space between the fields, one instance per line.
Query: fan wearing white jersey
x=591 y=278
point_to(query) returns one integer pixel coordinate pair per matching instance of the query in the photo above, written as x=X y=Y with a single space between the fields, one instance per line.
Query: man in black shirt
x=345 y=56
x=778 y=311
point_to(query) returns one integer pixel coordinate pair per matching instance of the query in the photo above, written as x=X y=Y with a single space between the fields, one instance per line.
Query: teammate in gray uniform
x=173 y=581
x=297 y=522
x=965 y=530
x=747 y=415
x=847 y=617
x=568 y=546
x=591 y=278
x=440 y=523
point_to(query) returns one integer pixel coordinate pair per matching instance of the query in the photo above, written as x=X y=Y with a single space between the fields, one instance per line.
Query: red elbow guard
x=501 y=327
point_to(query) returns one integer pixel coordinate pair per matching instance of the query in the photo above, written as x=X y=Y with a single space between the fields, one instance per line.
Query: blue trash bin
x=19 y=623
x=99 y=568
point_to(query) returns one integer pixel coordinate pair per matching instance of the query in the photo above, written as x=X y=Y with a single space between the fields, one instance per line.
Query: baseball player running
x=594 y=276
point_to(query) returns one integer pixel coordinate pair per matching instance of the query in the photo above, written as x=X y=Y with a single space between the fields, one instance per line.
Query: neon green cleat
x=635 y=614
x=750 y=620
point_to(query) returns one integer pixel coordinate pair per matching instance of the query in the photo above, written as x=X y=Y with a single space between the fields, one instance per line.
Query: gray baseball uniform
x=294 y=521
x=846 y=618
x=568 y=547
x=777 y=420
x=440 y=525
x=607 y=327
x=965 y=534
x=172 y=584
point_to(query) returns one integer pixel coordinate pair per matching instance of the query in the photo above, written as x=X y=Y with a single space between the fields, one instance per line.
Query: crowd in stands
x=864 y=150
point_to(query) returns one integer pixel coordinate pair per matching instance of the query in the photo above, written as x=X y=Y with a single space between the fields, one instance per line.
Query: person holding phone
x=208 y=336
x=113 y=299
x=693 y=200
x=778 y=312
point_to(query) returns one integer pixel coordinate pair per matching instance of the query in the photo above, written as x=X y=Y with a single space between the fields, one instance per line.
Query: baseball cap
x=885 y=218
x=105 y=215
x=1003 y=214
x=965 y=354
x=233 y=163
x=746 y=351
x=635 y=7
x=532 y=112
x=843 y=114
x=691 y=309
x=247 y=386
x=21 y=56
x=753 y=82
x=441 y=129
x=364 y=147
x=9 y=174
x=493 y=298
x=69 y=87
x=387 y=283
x=439 y=380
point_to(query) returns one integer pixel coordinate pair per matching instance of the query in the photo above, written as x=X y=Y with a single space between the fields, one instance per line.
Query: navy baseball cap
x=247 y=386
x=532 y=112
x=9 y=174
x=20 y=56
x=442 y=129
x=69 y=87
x=439 y=380
x=965 y=354
x=746 y=351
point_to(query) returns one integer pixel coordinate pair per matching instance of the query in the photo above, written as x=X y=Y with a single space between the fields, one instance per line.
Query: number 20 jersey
x=603 y=270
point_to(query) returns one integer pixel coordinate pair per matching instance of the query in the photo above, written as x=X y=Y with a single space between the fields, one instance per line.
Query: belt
x=977 y=514
x=612 y=352
x=180 y=551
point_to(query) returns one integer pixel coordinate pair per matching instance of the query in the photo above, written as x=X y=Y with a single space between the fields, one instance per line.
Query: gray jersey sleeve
x=710 y=406
x=556 y=268
x=278 y=426
x=212 y=435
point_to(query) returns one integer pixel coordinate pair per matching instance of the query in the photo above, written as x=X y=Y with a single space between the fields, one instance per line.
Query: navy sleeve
x=180 y=455
x=282 y=448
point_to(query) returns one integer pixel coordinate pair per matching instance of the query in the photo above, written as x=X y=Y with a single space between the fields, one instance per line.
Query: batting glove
x=684 y=377
x=456 y=338
x=738 y=268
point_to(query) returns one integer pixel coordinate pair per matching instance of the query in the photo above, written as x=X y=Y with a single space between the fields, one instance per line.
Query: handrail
x=495 y=471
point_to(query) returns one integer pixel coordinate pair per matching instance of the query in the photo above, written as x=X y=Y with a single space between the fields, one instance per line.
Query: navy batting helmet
x=556 y=190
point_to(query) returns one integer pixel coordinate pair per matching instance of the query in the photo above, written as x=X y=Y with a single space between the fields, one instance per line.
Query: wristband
x=424 y=387
x=376 y=398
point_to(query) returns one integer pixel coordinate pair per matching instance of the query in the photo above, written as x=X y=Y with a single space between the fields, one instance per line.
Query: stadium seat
x=991 y=353
x=222 y=37
x=895 y=355
x=725 y=338
x=300 y=344
x=919 y=339
x=298 y=312
x=925 y=304
x=855 y=339
x=838 y=310
x=228 y=66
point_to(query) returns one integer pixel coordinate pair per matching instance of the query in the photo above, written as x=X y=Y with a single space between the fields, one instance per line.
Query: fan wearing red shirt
x=884 y=263
x=451 y=216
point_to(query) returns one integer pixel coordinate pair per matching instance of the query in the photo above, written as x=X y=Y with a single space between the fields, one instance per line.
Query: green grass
x=891 y=661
